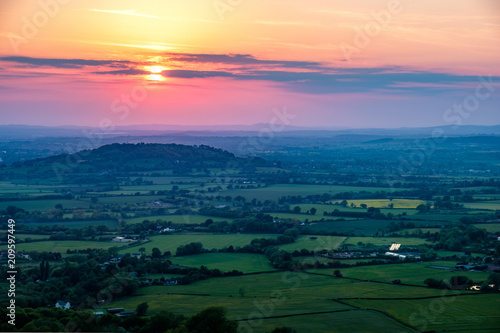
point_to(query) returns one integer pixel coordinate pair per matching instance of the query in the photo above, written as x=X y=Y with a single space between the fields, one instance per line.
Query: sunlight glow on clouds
x=260 y=55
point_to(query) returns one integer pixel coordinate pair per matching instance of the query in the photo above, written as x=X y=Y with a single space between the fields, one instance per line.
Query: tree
x=313 y=211
x=212 y=320
x=337 y=273
x=296 y=210
x=142 y=309
x=156 y=253
x=242 y=292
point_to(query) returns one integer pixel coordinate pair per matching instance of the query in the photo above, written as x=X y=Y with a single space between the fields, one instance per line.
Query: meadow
x=381 y=241
x=209 y=241
x=273 y=192
x=243 y=262
x=178 y=219
x=314 y=243
x=408 y=273
x=475 y=313
x=62 y=246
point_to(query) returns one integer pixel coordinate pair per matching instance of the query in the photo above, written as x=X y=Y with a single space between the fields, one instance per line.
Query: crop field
x=331 y=207
x=24 y=236
x=433 y=217
x=43 y=205
x=297 y=294
x=490 y=205
x=358 y=227
x=209 y=241
x=76 y=224
x=475 y=313
x=273 y=192
x=355 y=321
x=384 y=203
x=243 y=262
x=181 y=219
x=490 y=227
x=379 y=241
x=314 y=243
x=62 y=246
x=408 y=273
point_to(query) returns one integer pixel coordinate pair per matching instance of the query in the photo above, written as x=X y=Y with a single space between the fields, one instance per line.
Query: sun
x=156 y=69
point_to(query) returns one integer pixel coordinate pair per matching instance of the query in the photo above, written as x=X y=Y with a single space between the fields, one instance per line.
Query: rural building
x=120 y=239
x=170 y=282
x=114 y=310
x=125 y=314
x=403 y=255
x=98 y=313
x=63 y=305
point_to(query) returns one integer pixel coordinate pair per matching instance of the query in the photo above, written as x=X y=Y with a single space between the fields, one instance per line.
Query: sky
x=335 y=63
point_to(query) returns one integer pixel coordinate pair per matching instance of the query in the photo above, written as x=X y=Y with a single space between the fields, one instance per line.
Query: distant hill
x=116 y=158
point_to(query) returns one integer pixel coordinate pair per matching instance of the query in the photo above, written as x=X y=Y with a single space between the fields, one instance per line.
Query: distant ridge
x=30 y=131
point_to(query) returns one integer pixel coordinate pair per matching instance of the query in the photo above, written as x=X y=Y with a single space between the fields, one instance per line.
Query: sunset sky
x=365 y=63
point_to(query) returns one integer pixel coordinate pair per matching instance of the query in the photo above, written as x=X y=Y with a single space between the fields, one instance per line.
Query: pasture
x=243 y=262
x=408 y=273
x=314 y=243
x=209 y=241
x=178 y=219
x=112 y=225
x=43 y=205
x=62 y=246
x=475 y=313
x=381 y=241
x=490 y=227
x=273 y=192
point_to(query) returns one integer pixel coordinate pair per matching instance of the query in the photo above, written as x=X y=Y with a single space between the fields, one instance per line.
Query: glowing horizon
x=369 y=64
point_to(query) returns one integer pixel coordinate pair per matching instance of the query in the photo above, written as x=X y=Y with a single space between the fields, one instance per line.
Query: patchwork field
x=181 y=219
x=243 y=262
x=62 y=246
x=475 y=313
x=314 y=243
x=209 y=241
x=409 y=273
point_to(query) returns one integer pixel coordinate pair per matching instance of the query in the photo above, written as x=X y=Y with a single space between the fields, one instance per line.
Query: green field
x=43 y=205
x=180 y=219
x=62 y=246
x=490 y=227
x=299 y=295
x=243 y=262
x=409 y=273
x=380 y=241
x=320 y=243
x=384 y=203
x=491 y=205
x=355 y=321
x=273 y=192
x=75 y=224
x=209 y=241
x=477 y=313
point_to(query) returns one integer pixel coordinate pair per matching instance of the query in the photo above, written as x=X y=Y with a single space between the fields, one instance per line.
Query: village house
x=63 y=305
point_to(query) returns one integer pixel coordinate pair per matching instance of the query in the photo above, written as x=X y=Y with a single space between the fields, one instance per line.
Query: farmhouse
x=125 y=314
x=403 y=255
x=63 y=305
x=170 y=282
x=120 y=239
